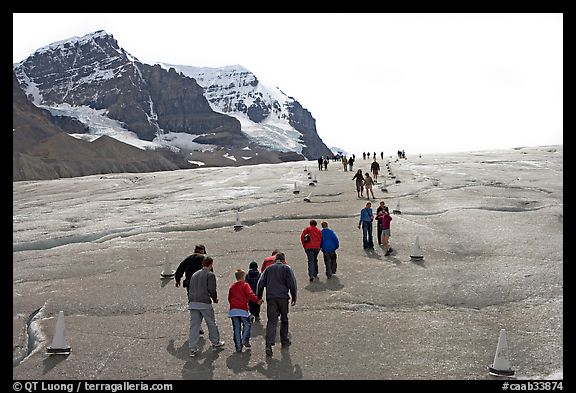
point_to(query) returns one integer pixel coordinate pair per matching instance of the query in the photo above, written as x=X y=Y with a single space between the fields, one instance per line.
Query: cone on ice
x=306 y=169
x=416 y=252
x=397 y=210
x=238 y=225
x=59 y=346
x=307 y=199
x=167 y=272
x=296 y=190
x=384 y=189
x=501 y=365
x=397 y=179
x=315 y=181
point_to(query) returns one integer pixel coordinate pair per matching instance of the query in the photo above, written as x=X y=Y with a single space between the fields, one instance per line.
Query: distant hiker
x=379 y=224
x=329 y=245
x=190 y=265
x=238 y=296
x=252 y=278
x=345 y=163
x=326 y=164
x=375 y=169
x=279 y=281
x=311 y=237
x=369 y=183
x=373 y=155
x=351 y=162
x=202 y=292
x=269 y=261
x=320 y=163
x=359 y=177
x=366 y=218
x=363 y=155
x=384 y=220
x=382 y=155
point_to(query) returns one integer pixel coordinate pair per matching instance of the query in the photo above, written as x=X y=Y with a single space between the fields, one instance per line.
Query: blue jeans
x=241 y=327
x=312 y=254
x=367 y=234
x=330 y=262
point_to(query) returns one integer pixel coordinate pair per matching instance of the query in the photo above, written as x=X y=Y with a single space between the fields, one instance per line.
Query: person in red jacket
x=311 y=237
x=268 y=261
x=238 y=296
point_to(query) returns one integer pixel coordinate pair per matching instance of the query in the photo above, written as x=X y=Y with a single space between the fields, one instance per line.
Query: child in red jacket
x=238 y=296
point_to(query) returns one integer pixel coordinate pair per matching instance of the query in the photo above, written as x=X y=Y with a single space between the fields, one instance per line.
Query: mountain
x=92 y=87
x=42 y=148
x=93 y=71
x=268 y=117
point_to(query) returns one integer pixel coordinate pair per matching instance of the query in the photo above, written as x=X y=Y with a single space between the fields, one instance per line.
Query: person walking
x=369 y=183
x=329 y=245
x=366 y=218
x=202 y=292
x=190 y=265
x=359 y=183
x=385 y=219
x=375 y=169
x=252 y=278
x=320 y=163
x=311 y=237
x=378 y=222
x=238 y=296
x=345 y=163
x=269 y=261
x=280 y=283
x=351 y=162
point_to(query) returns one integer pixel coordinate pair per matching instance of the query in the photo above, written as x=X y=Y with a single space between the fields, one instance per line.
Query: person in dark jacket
x=190 y=265
x=329 y=245
x=311 y=237
x=252 y=278
x=280 y=283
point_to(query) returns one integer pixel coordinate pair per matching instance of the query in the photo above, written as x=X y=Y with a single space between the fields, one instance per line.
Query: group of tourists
x=245 y=295
x=275 y=276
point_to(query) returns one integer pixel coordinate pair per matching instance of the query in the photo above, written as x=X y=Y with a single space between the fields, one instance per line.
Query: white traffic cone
x=296 y=190
x=397 y=210
x=397 y=179
x=315 y=181
x=59 y=346
x=416 y=252
x=501 y=365
x=167 y=272
x=307 y=199
x=238 y=225
x=384 y=189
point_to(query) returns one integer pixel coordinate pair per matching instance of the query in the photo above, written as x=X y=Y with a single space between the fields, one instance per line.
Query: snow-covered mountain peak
x=263 y=112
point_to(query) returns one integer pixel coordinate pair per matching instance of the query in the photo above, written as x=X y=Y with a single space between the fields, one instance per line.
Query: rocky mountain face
x=42 y=149
x=94 y=71
x=269 y=117
x=57 y=85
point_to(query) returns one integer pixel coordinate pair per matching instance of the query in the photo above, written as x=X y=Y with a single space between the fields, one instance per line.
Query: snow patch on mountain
x=99 y=124
x=235 y=91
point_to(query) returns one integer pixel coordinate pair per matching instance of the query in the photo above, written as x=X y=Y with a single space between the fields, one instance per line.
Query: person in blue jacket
x=329 y=245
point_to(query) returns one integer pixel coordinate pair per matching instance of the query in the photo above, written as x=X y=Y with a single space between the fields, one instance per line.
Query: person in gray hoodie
x=201 y=293
x=279 y=280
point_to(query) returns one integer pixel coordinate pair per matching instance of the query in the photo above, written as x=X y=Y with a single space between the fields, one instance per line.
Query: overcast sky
x=418 y=82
